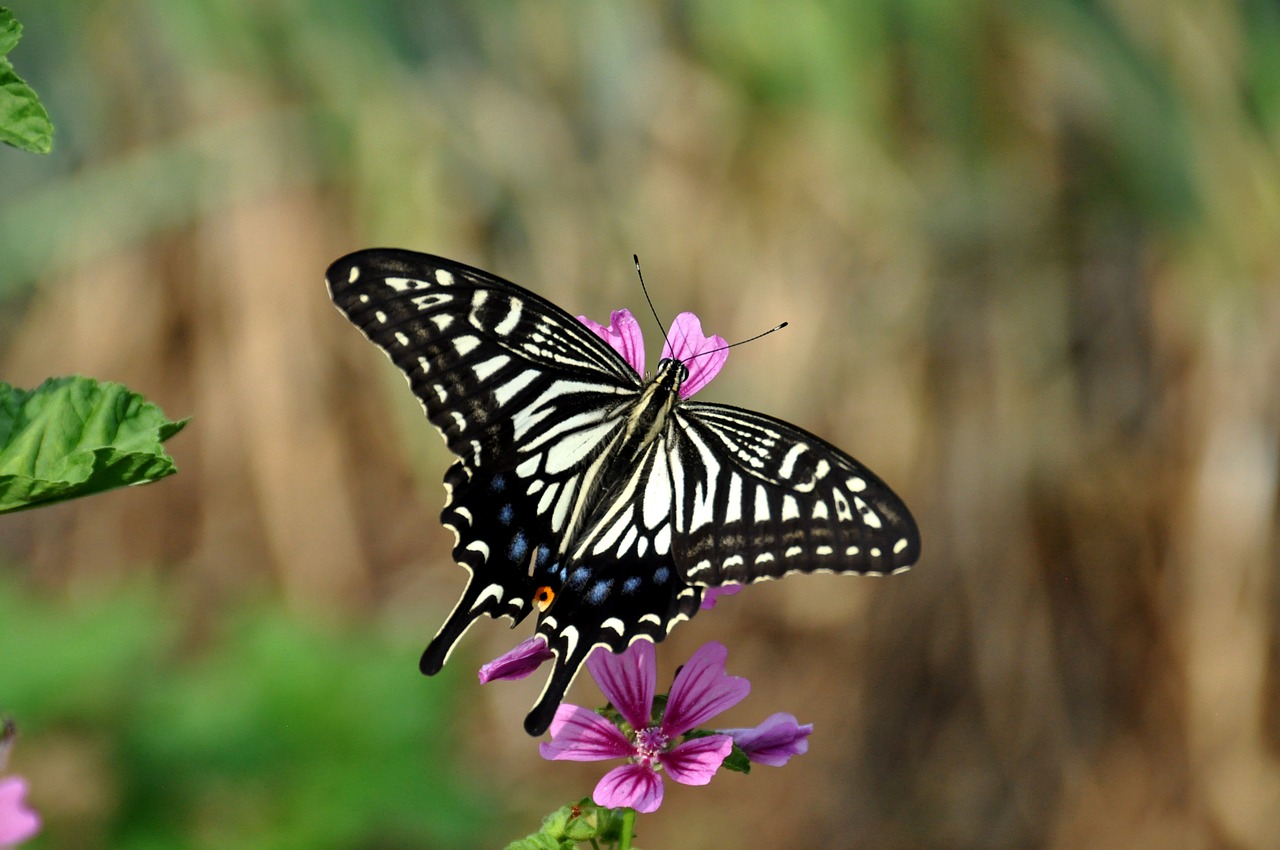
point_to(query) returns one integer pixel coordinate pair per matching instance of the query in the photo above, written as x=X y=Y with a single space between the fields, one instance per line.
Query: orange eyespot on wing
x=543 y=597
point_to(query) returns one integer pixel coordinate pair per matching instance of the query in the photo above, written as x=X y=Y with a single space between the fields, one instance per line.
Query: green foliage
x=75 y=436
x=572 y=824
x=278 y=735
x=23 y=120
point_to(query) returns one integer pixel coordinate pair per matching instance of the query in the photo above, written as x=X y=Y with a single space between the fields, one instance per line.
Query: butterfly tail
x=438 y=651
x=479 y=598
x=567 y=666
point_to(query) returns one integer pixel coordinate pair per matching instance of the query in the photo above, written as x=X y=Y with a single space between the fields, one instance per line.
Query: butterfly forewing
x=490 y=361
x=757 y=498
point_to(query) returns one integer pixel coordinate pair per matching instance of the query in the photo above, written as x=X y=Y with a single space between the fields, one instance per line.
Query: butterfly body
x=603 y=501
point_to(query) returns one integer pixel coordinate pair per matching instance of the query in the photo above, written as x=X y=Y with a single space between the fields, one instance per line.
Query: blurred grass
x=1029 y=253
x=279 y=734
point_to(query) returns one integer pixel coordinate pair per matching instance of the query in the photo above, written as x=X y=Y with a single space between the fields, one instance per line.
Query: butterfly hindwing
x=758 y=498
x=498 y=534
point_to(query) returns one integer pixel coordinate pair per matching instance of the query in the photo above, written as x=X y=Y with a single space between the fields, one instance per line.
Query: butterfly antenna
x=741 y=341
x=636 y=259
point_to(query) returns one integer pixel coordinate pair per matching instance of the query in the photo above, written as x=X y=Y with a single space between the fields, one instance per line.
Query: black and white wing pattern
x=602 y=500
x=757 y=498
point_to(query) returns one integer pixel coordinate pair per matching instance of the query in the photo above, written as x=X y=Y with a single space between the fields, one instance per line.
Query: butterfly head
x=671 y=375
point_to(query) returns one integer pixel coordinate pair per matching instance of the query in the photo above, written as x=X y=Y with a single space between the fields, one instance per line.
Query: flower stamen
x=650 y=743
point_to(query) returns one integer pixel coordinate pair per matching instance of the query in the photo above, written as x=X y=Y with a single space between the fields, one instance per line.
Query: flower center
x=650 y=743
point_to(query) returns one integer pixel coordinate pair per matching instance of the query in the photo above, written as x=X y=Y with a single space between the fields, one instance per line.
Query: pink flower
x=774 y=741
x=17 y=821
x=701 y=690
x=517 y=662
x=703 y=356
x=623 y=334
x=711 y=594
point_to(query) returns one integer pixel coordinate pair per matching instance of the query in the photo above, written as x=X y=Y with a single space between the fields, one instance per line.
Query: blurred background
x=1030 y=253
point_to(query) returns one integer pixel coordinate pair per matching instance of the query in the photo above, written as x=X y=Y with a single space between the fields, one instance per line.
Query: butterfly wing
x=758 y=498
x=522 y=393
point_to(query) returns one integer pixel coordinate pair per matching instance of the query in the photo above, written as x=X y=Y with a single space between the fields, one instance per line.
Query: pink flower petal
x=630 y=785
x=702 y=690
x=695 y=762
x=518 y=662
x=623 y=334
x=686 y=343
x=627 y=680
x=579 y=734
x=774 y=741
x=712 y=594
x=17 y=821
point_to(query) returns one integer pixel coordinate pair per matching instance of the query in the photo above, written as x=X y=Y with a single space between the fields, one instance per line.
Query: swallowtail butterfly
x=605 y=501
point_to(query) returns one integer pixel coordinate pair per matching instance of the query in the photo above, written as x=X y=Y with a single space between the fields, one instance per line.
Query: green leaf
x=539 y=841
x=24 y=123
x=566 y=827
x=737 y=760
x=10 y=32
x=75 y=436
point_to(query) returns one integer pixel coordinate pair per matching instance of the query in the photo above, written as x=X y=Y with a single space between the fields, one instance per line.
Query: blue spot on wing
x=631 y=584
x=505 y=514
x=599 y=591
x=499 y=483
x=660 y=575
x=519 y=547
x=578 y=577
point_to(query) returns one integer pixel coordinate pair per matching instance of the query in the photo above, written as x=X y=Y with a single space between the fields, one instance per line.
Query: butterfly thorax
x=648 y=416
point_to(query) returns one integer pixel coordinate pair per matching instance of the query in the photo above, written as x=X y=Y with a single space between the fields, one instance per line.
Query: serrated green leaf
x=566 y=827
x=539 y=841
x=75 y=436
x=24 y=123
x=10 y=31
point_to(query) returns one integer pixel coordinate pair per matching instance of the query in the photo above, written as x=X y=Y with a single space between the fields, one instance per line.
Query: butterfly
x=607 y=502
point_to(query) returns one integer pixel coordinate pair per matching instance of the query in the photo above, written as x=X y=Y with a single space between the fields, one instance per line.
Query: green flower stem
x=628 y=827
